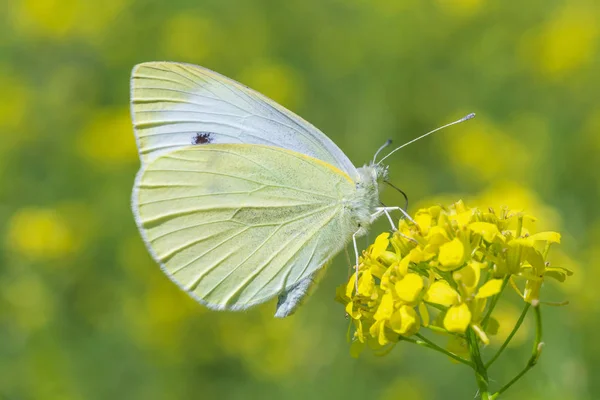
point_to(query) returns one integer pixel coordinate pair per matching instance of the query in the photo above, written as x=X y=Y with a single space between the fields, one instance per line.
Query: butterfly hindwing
x=235 y=225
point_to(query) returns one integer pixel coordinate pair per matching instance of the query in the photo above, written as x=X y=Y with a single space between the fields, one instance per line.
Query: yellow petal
x=381 y=243
x=409 y=288
x=385 y=278
x=550 y=237
x=435 y=211
x=403 y=266
x=353 y=312
x=468 y=277
x=525 y=242
x=416 y=255
x=437 y=236
x=377 y=269
x=351 y=286
x=366 y=284
x=463 y=218
x=451 y=255
x=386 y=307
x=441 y=293
x=459 y=206
x=457 y=318
x=405 y=321
x=423 y=220
x=377 y=330
x=388 y=257
x=359 y=332
x=489 y=288
x=485 y=229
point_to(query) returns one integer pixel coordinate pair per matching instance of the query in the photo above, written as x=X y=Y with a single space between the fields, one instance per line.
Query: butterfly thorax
x=364 y=205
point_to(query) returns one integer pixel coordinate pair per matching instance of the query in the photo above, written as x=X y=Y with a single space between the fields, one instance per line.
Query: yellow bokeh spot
x=108 y=139
x=30 y=297
x=40 y=233
x=190 y=37
x=519 y=197
x=276 y=81
x=507 y=315
x=56 y=19
x=407 y=388
x=14 y=97
x=460 y=7
x=484 y=152
x=565 y=43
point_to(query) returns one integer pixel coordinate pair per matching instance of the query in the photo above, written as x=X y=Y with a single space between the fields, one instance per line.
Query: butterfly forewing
x=175 y=105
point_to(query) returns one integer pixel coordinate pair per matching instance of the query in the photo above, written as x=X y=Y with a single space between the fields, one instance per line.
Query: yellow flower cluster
x=440 y=270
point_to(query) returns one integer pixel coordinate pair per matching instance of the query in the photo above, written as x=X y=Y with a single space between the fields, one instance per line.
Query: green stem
x=442 y=330
x=480 y=370
x=535 y=353
x=423 y=341
x=509 y=338
x=488 y=314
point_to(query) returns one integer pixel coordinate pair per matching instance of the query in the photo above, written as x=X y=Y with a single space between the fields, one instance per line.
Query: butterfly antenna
x=386 y=144
x=401 y=192
x=463 y=119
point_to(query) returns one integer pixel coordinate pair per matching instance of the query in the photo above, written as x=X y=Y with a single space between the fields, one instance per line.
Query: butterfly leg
x=408 y=217
x=385 y=210
x=356 y=254
x=389 y=217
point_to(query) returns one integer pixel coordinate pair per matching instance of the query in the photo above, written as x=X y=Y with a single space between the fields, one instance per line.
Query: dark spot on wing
x=202 y=138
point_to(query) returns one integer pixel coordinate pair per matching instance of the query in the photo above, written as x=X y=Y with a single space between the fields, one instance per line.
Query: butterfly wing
x=175 y=105
x=235 y=225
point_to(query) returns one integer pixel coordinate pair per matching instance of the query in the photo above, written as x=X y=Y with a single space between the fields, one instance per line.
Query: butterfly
x=238 y=199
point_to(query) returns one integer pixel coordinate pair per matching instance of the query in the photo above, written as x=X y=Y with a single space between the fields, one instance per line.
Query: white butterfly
x=237 y=198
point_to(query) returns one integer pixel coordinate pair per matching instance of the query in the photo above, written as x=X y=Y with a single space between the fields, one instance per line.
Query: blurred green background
x=86 y=314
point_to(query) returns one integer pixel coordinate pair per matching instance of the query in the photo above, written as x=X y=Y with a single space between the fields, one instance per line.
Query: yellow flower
x=440 y=272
